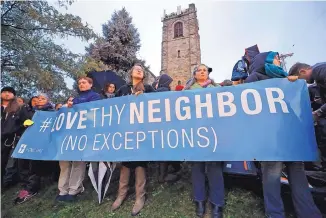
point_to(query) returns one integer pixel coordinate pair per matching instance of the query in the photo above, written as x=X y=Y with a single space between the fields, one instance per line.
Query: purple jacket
x=87 y=96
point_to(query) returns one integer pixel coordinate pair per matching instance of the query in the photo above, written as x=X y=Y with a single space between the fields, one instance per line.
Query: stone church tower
x=180 y=44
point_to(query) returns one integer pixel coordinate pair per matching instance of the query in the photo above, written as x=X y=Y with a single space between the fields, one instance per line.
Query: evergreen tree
x=119 y=45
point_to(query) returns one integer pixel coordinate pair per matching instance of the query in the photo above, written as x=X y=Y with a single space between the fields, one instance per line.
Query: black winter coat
x=315 y=99
x=257 y=69
x=12 y=123
x=319 y=75
x=127 y=90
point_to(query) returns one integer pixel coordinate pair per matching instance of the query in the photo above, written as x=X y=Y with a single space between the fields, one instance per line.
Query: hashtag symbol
x=45 y=124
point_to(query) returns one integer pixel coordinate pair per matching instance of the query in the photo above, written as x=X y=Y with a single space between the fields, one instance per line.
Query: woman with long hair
x=109 y=90
x=68 y=101
x=214 y=173
x=136 y=86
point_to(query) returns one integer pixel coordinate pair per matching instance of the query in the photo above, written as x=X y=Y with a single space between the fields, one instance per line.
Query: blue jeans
x=301 y=196
x=215 y=181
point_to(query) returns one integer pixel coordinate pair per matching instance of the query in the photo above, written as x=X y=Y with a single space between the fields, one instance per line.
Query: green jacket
x=197 y=86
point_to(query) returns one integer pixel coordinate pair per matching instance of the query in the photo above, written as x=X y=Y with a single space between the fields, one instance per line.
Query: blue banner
x=267 y=120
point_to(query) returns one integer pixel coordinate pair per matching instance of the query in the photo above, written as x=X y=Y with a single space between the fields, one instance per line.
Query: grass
x=164 y=201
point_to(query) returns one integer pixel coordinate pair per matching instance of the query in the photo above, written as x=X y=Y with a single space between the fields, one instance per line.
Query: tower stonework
x=180 y=44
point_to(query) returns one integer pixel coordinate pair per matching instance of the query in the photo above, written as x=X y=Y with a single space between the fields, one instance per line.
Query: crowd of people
x=253 y=66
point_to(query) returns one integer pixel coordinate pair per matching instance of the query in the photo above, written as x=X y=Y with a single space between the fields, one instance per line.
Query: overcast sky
x=225 y=28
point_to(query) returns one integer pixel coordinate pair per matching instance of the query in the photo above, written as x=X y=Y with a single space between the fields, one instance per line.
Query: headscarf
x=271 y=69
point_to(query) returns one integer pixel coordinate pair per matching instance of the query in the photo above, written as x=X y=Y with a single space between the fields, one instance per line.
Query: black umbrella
x=104 y=77
x=100 y=174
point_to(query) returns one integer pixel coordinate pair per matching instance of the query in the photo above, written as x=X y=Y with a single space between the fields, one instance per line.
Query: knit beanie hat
x=8 y=89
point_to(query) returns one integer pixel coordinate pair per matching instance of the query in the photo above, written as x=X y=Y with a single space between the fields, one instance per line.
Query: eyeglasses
x=138 y=69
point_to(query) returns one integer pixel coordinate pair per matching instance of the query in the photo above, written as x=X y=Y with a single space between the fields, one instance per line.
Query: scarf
x=196 y=85
x=206 y=84
x=275 y=71
x=192 y=83
x=138 y=87
x=108 y=95
x=271 y=69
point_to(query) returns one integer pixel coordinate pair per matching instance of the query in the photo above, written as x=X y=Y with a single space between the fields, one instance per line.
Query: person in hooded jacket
x=72 y=174
x=239 y=72
x=267 y=65
x=13 y=116
x=154 y=84
x=135 y=87
x=201 y=80
x=163 y=85
x=38 y=168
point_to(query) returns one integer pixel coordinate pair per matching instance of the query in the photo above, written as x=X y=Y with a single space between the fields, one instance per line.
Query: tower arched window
x=178 y=29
